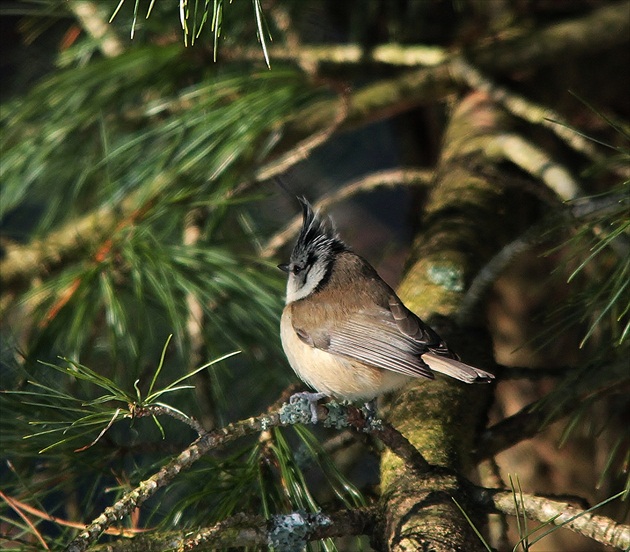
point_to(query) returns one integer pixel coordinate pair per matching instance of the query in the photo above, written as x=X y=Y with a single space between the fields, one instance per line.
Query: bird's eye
x=297 y=269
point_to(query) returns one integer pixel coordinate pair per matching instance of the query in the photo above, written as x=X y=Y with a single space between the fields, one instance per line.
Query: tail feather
x=456 y=369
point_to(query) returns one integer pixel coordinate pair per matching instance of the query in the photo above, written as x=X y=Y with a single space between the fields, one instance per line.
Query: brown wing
x=373 y=338
x=412 y=326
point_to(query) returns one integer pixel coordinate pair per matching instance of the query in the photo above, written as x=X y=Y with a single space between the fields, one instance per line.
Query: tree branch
x=440 y=417
x=377 y=101
x=531 y=419
x=596 y=31
x=22 y=263
x=600 y=29
x=559 y=513
x=386 y=179
x=331 y=415
x=529 y=111
x=286 y=532
x=157 y=410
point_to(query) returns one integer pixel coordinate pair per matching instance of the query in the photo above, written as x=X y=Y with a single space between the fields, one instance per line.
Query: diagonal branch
x=557 y=513
x=529 y=421
x=598 y=30
x=386 y=178
x=22 y=263
x=331 y=415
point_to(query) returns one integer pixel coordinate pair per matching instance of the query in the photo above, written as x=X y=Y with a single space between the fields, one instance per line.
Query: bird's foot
x=312 y=399
x=371 y=419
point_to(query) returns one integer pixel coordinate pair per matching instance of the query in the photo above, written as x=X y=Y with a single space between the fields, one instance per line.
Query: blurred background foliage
x=150 y=135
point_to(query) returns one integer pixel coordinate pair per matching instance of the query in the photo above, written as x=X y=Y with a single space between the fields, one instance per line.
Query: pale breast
x=334 y=375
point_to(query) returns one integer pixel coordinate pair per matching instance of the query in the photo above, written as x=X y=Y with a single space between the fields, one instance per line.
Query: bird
x=345 y=332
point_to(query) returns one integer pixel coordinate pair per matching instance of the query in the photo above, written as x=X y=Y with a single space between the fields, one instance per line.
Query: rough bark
x=466 y=213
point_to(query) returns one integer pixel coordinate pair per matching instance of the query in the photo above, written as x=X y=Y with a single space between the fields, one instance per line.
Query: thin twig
x=391 y=437
x=195 y=321
x=531 y=419
x=300 y=152
x=21 y=506
x=147 y=488
x=386 y=178
x=103 y=431
x=490 y=272
x=558 y=513
x=159 y=410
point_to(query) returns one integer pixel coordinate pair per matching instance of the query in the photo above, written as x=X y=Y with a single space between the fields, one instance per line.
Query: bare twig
x=22 y=263
x=598 y=30
x=537 y=162
x=391 y=438
x=158 y=410
x=194 y=326
x=103 y=431
x=304 y=148
x=147 y=488
x=529 y=421
x=558 y=513
x=17 y=508
x=21 y=507
x=387 y=178
x=490 y=272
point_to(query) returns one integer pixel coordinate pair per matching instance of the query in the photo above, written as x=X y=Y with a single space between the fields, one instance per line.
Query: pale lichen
x=446 y=276
x=296 y=412
x=289 y=532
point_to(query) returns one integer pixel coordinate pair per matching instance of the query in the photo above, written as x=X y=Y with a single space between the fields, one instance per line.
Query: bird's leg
x=370 y=411
x=312 y=399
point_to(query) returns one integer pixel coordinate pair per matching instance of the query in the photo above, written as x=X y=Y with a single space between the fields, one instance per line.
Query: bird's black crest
x=317 y=234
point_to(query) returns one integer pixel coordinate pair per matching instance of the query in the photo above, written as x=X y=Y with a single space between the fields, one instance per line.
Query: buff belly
x=334 y=375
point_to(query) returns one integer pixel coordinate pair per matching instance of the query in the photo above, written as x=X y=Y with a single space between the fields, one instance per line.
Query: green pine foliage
x=135 y=150
x=147 y=138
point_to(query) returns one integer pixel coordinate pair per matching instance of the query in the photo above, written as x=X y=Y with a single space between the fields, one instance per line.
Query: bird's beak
x=284 y=267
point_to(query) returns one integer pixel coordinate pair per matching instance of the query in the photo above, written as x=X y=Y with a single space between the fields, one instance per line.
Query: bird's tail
x=456 y=369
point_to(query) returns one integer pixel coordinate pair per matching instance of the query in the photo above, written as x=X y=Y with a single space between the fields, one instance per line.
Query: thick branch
x=601 y=29
x=441 y=417
x=531 y=419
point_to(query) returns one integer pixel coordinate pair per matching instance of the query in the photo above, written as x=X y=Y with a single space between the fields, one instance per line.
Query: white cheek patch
x=297 y=290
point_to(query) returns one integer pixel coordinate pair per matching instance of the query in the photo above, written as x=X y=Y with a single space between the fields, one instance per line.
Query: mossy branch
x=441 y=418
